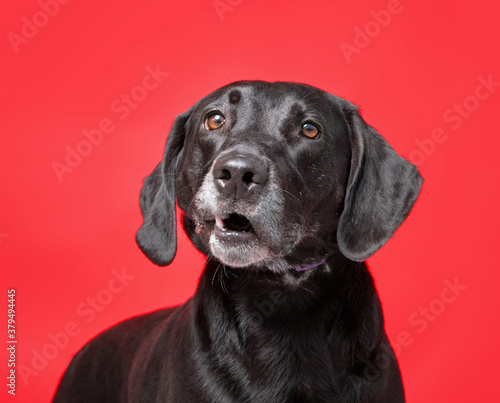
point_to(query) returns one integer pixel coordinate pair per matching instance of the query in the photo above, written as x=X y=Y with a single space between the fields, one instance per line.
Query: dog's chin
x=233 y=239
x=238 y=250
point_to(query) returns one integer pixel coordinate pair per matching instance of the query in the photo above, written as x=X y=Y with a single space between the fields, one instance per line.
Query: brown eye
x=310 y=130
x=214 y=121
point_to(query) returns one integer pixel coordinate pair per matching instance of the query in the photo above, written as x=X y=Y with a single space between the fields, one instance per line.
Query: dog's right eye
x=214 y=121
x=310 y=130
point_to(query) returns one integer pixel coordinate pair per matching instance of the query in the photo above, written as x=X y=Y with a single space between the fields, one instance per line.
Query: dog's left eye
x=214 y=121
x=310 y=130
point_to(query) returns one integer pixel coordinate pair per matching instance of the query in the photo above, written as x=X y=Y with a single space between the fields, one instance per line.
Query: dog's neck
x=319 y=282
x=289 y=305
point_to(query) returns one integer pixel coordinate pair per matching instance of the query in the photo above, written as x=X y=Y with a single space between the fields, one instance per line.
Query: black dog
x=287 y=191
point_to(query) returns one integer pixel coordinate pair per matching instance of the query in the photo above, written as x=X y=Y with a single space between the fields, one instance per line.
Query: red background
x=60 y=240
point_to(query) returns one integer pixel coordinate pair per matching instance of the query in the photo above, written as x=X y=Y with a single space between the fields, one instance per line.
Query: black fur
x=260 y=328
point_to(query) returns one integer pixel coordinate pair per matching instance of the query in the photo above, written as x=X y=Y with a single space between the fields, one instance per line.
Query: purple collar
x=298 y=268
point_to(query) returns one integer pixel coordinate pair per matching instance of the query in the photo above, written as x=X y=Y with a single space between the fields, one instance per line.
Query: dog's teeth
x=219 y=222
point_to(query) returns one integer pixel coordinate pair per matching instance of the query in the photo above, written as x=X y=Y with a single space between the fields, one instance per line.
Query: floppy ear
x=381 y=191
x=157 y=236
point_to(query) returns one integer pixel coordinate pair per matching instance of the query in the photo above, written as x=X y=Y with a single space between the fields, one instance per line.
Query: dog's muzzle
x=232 y=197
x=237 y=178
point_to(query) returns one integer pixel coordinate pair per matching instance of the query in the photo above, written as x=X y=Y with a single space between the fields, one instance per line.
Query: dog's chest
x=292 y=367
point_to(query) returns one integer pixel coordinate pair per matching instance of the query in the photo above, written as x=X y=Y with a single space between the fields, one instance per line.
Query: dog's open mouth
x=235 y=240
x=235 y=227
x=235 y=222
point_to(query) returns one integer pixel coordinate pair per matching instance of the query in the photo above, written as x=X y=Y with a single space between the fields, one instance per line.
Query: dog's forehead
x=267 y=98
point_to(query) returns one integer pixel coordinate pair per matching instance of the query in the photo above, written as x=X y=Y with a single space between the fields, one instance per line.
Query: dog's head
x=267 y=174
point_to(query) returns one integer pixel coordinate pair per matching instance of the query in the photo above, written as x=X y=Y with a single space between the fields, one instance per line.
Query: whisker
x=224 y=289
x=287 y=192
x=215 y=272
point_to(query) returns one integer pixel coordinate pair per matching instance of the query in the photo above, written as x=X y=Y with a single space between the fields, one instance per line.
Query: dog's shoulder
x=125 y=336
x=102 y=363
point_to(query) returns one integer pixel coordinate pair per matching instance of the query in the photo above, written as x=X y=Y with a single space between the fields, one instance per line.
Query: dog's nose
x=240 y=176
